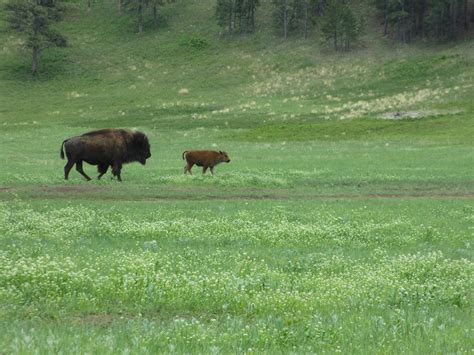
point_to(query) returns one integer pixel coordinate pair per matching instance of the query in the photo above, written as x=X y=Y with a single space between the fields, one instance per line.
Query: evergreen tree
x=284 y=15
x=156 y=4
x=33 y=19
x=383 y=7
x=225 y=14
x=305 y=8
x=249 y=8
x=403 y=23
x=340 y=25
x=237 y=15
x=138 y=8
x=293 y=15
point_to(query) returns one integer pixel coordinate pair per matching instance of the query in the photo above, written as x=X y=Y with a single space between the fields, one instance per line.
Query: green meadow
x=343 y=223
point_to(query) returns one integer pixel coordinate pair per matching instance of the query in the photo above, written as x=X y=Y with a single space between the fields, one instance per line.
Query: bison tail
x=184 y=153
x=61 y=150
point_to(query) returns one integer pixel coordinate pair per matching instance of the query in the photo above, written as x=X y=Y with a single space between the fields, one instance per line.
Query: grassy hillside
x=343 y=222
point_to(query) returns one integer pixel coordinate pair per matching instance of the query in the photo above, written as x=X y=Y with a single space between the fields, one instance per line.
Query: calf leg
x=102 y=169
x=67 y=169
x=116 y=169
x=212 y=170
x=204 y=169
x=188 y=168
x=80 y=170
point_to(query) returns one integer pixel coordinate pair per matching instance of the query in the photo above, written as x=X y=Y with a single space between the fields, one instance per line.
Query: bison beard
x=105 y=148
x=205 y=158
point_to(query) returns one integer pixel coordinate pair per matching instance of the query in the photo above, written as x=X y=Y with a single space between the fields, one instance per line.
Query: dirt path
x=169 y=194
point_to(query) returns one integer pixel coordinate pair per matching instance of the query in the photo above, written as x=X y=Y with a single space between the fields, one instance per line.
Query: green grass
x=331 y=230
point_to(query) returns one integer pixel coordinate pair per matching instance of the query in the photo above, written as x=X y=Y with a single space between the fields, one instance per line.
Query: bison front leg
x=81 y=171
x=116 y=170
x=67 y=169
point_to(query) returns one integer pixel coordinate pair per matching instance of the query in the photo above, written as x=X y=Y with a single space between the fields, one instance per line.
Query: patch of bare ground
x=400 y=115
x=233 y=194
x=106 y=319
x=73 y=188
x=276 y=196
x=96 y=319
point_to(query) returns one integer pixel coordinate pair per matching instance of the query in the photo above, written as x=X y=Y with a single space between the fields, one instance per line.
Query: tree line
x=339 y=22
x=441 y=19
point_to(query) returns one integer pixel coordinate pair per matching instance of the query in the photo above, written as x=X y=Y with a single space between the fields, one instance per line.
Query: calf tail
x=184 y=153
x=61 y=150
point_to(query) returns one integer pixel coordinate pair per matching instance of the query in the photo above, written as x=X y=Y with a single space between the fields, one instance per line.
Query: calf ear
x=220 y=152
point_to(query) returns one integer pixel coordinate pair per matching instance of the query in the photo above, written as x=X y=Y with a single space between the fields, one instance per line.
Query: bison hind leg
x=67 y=169
x=102 y=169
x=81 y=171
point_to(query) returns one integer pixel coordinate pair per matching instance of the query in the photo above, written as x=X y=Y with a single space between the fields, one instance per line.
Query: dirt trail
x=169 y=194
x=311 y=197
x=73 y=188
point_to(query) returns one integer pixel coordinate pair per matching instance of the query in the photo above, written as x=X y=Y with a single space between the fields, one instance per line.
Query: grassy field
x=333 y=229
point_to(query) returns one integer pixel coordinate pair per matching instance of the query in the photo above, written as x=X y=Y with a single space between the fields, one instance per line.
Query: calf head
x=223 y=157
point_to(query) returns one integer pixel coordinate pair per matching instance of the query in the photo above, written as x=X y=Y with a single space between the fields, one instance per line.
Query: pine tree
x=225 y=14
x=284 y=13
x=33 y=19
x=138 y=8
x=237 y=15
x=293 y=16
x=249 y=9
x=383 y=7
x=340 y=25
x=156 y=4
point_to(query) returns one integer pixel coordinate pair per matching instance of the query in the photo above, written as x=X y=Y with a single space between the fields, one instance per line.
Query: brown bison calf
x=104 y=148
x=205 y=158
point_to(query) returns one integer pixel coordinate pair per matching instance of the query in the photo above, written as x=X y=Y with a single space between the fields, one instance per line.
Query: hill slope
x=111 y=74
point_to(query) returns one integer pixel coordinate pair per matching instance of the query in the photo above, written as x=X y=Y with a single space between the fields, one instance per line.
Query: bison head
x=223 y=157
x=141 y=147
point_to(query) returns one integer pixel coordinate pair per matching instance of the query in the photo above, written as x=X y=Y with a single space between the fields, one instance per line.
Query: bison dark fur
x=104 y=148
x=208 y=159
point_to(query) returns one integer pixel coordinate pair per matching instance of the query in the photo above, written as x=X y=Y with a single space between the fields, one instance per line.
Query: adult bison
x=104 y=148
x=205 y=158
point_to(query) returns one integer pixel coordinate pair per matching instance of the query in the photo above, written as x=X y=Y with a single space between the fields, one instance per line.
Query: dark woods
x=340 y=22
x=405 y=20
